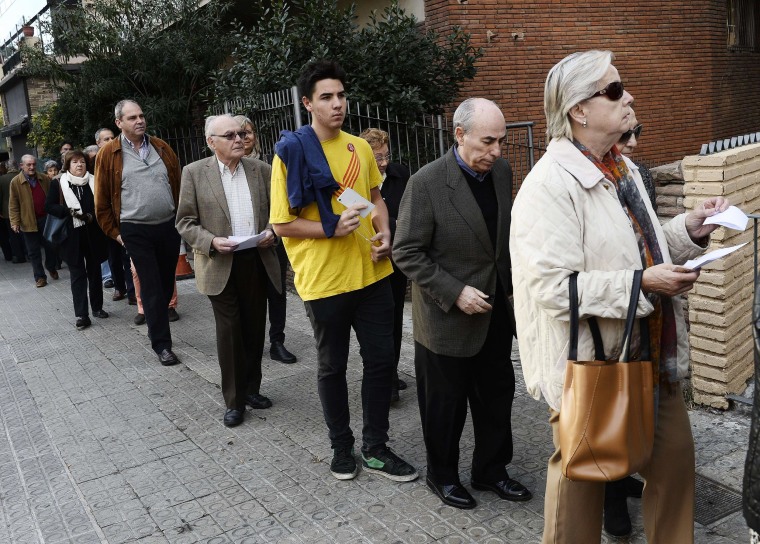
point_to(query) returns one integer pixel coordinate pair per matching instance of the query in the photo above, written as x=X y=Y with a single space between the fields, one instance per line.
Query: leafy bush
x=160 y=53
x=390 y=63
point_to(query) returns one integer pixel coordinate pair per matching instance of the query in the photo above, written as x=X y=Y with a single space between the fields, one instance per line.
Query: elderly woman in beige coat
x=583 y=208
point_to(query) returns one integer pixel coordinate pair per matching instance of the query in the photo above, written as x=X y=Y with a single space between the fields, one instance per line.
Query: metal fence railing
x=413 y=143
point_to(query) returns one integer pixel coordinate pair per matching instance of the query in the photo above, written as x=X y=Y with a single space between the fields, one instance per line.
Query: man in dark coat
x=452 y=241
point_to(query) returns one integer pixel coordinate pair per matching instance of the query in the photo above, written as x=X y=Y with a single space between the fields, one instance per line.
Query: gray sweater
x=146 y=196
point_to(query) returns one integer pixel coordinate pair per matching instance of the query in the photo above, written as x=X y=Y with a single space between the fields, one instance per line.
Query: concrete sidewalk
x=100 y=443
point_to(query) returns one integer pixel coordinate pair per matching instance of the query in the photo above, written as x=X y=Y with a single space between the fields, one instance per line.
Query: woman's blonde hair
x=375 y=137
x=571 y=81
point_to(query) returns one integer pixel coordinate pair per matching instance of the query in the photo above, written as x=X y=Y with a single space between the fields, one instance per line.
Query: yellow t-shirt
x=330 y=266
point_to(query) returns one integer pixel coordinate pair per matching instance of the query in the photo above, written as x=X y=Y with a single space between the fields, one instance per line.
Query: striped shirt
x=239 y=200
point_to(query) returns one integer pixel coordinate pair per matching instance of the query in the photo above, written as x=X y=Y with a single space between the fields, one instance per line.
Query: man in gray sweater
x=137 y=181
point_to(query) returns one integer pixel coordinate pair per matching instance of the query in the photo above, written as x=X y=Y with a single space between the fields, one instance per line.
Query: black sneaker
x=343 y=465
x=386 y=463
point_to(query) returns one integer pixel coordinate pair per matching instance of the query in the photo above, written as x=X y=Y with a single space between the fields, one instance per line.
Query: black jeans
x=398 y=288
x=34 y=245
x=86 y=270
x=154 y=250
x=369 y=312
x=277 y=301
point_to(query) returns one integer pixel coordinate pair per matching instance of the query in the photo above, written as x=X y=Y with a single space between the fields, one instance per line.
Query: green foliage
x=390 y=62
x=45 y=131
x=161 y=53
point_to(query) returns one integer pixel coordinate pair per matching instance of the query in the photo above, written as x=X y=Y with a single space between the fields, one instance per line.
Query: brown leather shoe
x=118 y=295
x=53 y=274
x=41 y=282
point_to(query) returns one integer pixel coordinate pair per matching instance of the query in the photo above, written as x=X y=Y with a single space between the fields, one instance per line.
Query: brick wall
x=689 y=88
x=720 y=303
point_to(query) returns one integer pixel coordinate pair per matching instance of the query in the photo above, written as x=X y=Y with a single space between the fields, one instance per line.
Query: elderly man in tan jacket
x=222 y=196
x=26 y=209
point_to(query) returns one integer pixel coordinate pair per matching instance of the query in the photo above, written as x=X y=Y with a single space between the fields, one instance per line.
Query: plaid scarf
x=662 y=322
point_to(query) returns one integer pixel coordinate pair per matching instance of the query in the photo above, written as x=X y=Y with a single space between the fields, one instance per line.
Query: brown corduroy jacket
x=21 y=202
x=108 y=170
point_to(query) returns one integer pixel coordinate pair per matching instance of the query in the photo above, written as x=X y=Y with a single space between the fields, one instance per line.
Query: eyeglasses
x=635 y=131
x=613 y=91
x=383 y=158
x=231 y=135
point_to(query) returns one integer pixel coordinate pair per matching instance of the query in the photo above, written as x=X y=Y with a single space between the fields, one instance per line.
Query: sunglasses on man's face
x=635 y=131
x=613 y=91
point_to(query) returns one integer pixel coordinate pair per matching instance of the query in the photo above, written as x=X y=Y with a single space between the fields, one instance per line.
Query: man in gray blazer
x=452 y=237
x=228 y=195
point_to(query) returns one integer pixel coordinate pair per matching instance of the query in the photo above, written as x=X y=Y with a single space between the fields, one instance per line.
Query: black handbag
x=57 y=230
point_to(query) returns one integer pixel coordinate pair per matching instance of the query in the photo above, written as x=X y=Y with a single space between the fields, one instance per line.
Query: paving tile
x=98 y=442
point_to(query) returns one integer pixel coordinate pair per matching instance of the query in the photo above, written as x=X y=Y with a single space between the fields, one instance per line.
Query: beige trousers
x=573 y=510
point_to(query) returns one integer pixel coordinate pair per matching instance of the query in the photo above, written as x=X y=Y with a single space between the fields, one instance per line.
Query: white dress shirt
x=239 y=200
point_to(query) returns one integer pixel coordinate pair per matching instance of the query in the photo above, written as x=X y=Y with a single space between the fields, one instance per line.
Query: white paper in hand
x=247 y=242
x=732 y=218
x=707 y=258
x=349 y=197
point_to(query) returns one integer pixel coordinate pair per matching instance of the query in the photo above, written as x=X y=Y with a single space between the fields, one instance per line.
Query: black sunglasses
x=635 y=131
x=613 y=91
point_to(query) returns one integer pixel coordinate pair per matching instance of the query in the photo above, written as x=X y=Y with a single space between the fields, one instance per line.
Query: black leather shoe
x=401 y=384
x=83 y=322
x=233 y=417
x=452 y=494
x=278 y=353
x=509 y=489
x=100 y=314
x=18 y=260
x=258 y=402
x=167 y=358
x=173 y=315
x=139 y=319
x=108 y=284
x=617 y=521
x=132 y=300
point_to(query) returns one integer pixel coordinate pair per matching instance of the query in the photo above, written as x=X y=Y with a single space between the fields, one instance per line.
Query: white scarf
x=72 y=202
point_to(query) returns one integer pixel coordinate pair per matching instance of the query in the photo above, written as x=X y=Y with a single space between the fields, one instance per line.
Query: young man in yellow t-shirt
x=341 y=265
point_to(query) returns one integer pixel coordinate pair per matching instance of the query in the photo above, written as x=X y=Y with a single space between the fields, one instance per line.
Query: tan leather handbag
x=606 y=423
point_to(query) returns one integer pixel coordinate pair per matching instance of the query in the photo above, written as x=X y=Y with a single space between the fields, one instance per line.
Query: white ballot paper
x=247 y=242
x=732 y=218
x=349 y=197
x=707 y=258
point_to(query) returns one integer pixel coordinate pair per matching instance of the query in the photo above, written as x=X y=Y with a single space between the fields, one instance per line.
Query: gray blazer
x=203 y=213
x=442 y=245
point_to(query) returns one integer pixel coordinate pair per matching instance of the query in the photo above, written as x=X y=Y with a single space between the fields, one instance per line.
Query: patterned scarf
x=662 y=322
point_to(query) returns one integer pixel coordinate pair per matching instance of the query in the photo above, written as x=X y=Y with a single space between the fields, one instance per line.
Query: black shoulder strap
x=593 y=325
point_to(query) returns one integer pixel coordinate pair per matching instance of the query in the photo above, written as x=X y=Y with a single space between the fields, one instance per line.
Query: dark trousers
x=398 y=288
x=86 y=270
x=154 y=250
x=277 y=301
x=16 y=241
x=445 y=384
x=240 y=315
x=369 y=312
x=121 y=271
x=34 y=245
x=5 y=239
